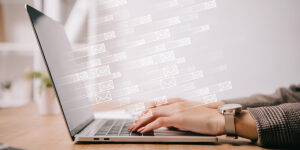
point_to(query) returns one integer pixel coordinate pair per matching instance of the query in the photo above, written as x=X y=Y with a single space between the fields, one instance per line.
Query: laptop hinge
x=82 y=126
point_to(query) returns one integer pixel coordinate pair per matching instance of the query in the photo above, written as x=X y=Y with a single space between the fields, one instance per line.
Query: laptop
x=71 y=93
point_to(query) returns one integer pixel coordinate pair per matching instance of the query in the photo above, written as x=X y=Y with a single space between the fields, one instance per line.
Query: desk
x=24 y=127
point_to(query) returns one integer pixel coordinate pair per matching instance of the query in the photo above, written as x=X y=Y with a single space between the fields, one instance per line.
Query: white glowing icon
x=170 y=71
x=210 y=98
x=148 y=50
x=102 y=97
x=113 y=3
x=180 y=60
x=103 y=37
x=93 y=73
x=105 y=86
x=92 y=63
x=225 y=86
x=158 y=101
x=146 y=61
x=136 y=109
x=96 y=49
x=132 y=89
x=108 y=18
x=164 y=57
x=168 y=83
x=162 y=34
x=210 y=4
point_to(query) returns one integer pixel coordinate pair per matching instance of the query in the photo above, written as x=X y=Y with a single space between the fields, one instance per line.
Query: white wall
x=258 y=39
x=16 y=23
x=261 y=40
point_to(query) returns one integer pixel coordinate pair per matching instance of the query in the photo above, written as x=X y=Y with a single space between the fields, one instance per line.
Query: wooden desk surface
x=24 y=127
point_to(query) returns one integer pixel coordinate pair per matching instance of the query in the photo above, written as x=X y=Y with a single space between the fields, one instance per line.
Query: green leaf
x=33 y=74
x=45 y=79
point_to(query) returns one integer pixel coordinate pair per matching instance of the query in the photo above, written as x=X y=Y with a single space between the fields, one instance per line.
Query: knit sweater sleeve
x=282 y=95
x=277 y=125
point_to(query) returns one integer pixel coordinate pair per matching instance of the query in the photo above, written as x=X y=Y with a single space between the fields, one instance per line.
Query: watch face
x=230 y=106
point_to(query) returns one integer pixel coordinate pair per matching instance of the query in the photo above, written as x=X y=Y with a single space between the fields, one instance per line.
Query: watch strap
x=229 y=125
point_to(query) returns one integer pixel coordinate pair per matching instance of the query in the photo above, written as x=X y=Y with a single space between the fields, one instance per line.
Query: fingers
x=159 y=122
x=148 y=117
x=151 y=114
x=162 y=111
x=175 y=105
x=146 y=113
x=141 y=123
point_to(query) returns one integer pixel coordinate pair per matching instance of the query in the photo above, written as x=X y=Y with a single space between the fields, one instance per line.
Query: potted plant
x=6 y=88
x=47 y=102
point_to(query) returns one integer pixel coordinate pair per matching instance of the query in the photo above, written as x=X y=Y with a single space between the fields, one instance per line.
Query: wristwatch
x=229 y=111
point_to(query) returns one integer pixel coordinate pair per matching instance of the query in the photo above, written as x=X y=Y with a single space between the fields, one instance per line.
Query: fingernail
x=133 y=129
x=143 y=131
x=140 y=129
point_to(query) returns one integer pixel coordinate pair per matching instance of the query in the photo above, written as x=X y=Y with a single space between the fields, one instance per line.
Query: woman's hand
x=185 y=115
x=192 y=116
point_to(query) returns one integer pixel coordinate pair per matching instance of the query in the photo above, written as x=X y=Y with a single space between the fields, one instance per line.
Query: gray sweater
x=277 y=116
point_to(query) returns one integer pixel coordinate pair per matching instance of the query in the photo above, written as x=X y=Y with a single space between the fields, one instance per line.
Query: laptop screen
x=62 y=68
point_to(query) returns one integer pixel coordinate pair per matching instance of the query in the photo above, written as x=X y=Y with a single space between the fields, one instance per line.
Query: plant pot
x=7 y=95
x=47 y=103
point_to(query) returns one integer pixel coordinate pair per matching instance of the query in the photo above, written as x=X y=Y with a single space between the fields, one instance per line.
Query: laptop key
x=105 y=127
x=125 y=133
x=135 y=134
x=151 y=133
x=115 y=128
x=114 y=131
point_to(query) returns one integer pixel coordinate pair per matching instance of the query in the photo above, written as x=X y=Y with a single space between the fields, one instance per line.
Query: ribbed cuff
x=272 y=127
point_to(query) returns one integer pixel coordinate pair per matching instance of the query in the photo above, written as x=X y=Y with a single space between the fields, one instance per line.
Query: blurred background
x=239 y=47
x=19 y=53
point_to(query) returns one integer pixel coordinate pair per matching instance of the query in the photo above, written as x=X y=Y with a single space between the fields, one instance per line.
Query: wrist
x=220 y=122
x=229 y=111
x=245 y=125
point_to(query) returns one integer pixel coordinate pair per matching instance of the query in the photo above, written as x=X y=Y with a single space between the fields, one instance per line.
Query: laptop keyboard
x=119 y=128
